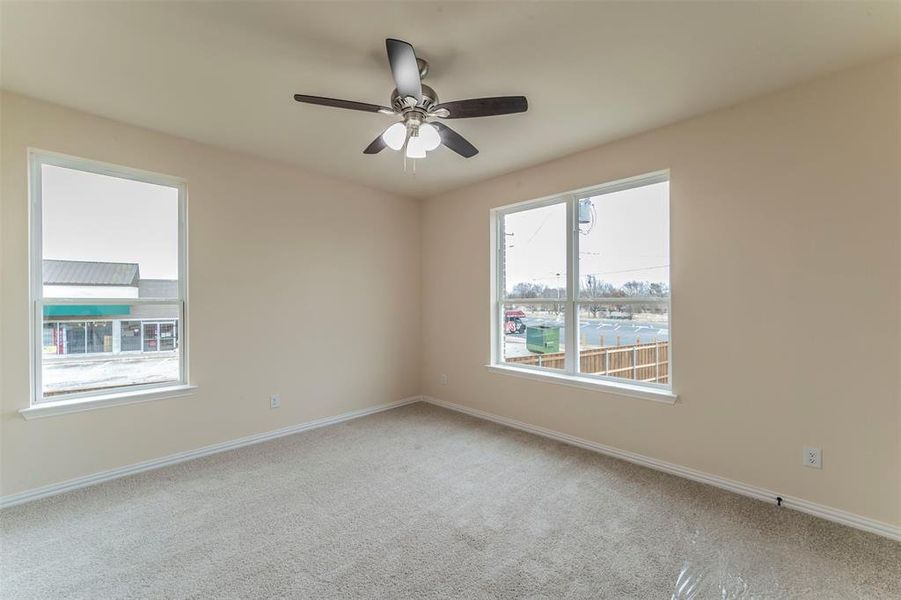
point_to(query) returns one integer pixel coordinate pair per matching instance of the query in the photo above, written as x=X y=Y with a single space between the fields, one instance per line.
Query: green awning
x=86 y=310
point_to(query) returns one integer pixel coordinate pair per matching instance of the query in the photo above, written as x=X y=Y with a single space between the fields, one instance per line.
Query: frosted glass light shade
x=395 y=136
x=429 y=136
x=415 y=148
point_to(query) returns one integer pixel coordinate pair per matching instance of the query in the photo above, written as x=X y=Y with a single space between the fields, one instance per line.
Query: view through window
x=110 y=295
x=615 y=301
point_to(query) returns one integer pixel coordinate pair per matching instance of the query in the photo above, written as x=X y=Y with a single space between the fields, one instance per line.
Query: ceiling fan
x=419 y=132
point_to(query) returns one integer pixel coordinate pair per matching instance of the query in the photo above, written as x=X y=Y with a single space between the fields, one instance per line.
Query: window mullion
x=35 y=275
x=572 y=335
x=104 y=300
x=500 y=291
x=37 y=337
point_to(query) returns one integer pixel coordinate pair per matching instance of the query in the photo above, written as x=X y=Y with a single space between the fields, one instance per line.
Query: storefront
x=110 y=336
x=97 y=329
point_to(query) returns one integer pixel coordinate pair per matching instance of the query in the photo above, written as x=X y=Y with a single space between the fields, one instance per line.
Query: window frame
x=570 y=374
x=73 y=401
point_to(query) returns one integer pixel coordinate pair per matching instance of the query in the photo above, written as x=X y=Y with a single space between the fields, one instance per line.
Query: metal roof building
x=80 y=272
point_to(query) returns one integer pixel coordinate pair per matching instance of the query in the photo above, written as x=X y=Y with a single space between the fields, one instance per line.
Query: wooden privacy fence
x=643 y=362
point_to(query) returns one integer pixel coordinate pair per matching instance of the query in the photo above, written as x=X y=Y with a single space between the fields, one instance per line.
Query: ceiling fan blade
x=404 y=68
x=455 y=141
x=484 y=107
x=377 y=145
x=349 y=104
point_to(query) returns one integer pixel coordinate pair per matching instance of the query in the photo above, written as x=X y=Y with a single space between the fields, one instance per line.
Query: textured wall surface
x=317 y=278
x=785 y=278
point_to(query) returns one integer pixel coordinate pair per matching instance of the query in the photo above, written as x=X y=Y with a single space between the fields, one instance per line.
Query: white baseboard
x=753 y=491
x=80 y=482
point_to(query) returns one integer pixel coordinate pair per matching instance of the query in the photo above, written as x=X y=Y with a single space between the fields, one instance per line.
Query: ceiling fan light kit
x=417 y=104
x=395 y=136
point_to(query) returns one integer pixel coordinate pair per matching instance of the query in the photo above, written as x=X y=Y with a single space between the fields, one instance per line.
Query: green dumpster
x=543 y=339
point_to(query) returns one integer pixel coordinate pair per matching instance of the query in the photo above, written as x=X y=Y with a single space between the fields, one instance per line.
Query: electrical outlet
x=443 y=379
x=275 y=401
x=813 y=458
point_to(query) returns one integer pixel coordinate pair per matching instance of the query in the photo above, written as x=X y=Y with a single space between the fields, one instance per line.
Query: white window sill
x=61 y=407
x=590 y=383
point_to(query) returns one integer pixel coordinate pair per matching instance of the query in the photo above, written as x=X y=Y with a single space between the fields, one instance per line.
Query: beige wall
x=786 y=309
x=785 y=277
x=319 y=278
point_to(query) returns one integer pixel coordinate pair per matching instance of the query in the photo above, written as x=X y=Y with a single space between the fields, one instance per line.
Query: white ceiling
x=225 y=72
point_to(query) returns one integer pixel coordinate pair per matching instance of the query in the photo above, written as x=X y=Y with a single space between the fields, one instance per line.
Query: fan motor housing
x=429 y=100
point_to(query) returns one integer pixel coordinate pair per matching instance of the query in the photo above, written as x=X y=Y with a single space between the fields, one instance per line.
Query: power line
x=626 y=270
x=546 y=217
x=559 y=275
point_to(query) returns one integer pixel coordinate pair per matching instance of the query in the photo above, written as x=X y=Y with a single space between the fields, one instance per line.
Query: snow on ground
x=89 y=373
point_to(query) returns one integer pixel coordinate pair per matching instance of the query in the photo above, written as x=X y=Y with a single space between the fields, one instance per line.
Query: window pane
x=122 y=345
x=107 y=237
x=619 y=338
x=167 y=336
x=621 y=294
x=99 y=336
x=534 y=334
x=151 y=337
x=535 y=253
x=131 y=336
x=72 y=337
x=107 y=241
x=624 y=270
x=49 y=338
x=624 y=243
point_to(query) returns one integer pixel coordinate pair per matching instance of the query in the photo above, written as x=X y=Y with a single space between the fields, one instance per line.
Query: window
x=582 y=284
x=108 y=279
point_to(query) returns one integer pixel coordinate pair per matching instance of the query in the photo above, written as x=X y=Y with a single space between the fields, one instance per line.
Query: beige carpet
x=420 y=502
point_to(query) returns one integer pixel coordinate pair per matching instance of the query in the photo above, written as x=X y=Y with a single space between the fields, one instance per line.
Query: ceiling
x=225 y=72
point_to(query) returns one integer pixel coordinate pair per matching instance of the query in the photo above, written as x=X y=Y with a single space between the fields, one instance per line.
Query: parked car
x=513 y=321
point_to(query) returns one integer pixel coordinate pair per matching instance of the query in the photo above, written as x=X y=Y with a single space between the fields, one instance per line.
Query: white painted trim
x=80 y=482
x=806 y=506
x=645 y=392
x=36 y=159
x=752 y=491
x=572 y=354
x=80 y=404
x=572 y=301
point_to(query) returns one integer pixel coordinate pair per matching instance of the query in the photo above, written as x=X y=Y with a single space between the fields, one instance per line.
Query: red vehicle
x=513 y=321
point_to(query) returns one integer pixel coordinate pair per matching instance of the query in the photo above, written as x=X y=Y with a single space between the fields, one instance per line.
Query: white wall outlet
x=275 y=401
x=443 y=379
x=813 y=458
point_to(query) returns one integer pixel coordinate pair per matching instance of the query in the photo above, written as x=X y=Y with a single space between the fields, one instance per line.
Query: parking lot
x=593 y=332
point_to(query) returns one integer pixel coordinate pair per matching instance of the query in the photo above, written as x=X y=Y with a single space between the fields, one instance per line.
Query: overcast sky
x=629 y=240
x=94 y=217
